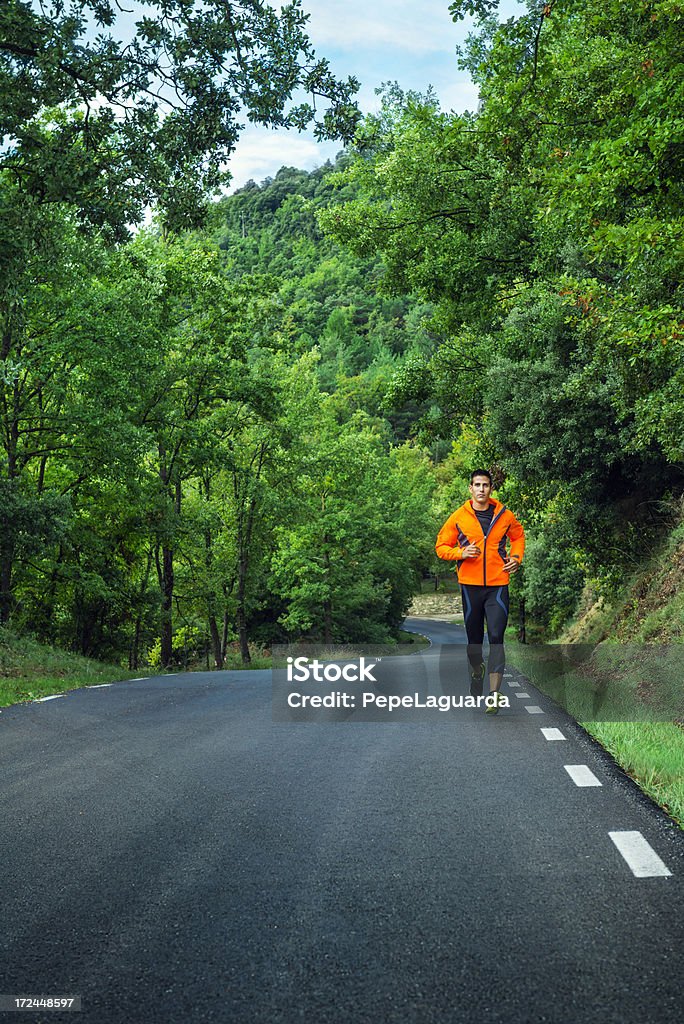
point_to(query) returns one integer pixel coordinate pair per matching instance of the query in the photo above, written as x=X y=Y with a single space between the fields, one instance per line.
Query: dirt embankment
x=651 y=609
x=654 y=608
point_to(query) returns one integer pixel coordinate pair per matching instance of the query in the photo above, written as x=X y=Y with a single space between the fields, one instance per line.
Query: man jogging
x=475 y=537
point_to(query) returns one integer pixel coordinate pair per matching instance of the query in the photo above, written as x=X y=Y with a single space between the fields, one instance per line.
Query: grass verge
x=652 y=753
x=410 y=642
x=29 y=670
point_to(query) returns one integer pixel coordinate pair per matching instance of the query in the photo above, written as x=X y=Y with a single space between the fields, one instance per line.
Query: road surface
x=171 y=855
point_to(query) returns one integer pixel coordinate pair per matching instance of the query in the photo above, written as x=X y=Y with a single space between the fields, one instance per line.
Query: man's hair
x=480 y=472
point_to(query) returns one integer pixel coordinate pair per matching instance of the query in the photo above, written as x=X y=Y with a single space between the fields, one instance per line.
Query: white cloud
x=457 y=95
x=418 y=28
x=261 y=152
x=386 y=40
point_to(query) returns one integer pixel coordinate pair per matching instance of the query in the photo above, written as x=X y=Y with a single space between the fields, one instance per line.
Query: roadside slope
x=650 y=611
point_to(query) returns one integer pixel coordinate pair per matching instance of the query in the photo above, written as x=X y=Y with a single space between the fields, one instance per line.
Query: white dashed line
x=642 y=860
x=524 y=696
x=553 y=734
x=581 y=775
x=140 y=679
x=533 y=709
x=99 y=686
x=514 y=684
x=53 y=696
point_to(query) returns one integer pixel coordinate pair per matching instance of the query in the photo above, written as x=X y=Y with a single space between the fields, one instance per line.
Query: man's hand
x=471 y=551
x=512 y=565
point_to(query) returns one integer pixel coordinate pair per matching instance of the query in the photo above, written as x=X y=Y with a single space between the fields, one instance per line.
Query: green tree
x=70 y=352
x=110 y=124
x=348 y=564
x=546 y=231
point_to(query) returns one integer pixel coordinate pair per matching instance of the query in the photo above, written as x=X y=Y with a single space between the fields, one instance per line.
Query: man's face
x=480 y=489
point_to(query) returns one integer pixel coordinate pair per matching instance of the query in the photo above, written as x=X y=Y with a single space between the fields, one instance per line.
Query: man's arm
x=516 y=535
x=447 y=546
x=452 y=544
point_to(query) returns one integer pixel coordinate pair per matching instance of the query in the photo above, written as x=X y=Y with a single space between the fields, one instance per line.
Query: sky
x=412 y=42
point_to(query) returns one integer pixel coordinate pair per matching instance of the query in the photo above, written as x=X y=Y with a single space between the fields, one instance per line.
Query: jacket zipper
x=484 y=550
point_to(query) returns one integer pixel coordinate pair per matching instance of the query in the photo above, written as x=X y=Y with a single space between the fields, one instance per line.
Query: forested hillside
x=245 y=423
x=180 y=468
x=195 y=452
x=331 y=299
x=548 y=231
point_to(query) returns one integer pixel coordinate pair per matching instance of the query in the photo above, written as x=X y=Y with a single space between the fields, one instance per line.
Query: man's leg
x=496 y=613
x=474 y=619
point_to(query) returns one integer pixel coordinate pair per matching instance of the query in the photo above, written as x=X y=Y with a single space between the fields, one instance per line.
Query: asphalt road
x=172 y=855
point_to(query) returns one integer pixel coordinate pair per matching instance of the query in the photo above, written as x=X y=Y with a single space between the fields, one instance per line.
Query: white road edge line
x=53 y=696
x=98 y=686
x=641 y=858
x=582 y=775
x=553 y=734
x=533 y=709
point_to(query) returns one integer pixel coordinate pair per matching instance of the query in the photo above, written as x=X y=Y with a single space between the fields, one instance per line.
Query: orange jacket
x=463 y=528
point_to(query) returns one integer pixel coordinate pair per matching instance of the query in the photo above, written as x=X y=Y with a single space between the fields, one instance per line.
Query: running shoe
x=477 y=680
x=494 y=709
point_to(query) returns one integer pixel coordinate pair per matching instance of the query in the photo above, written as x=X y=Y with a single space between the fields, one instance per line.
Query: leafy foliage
x=110 y=124
x=221 y=437
x=546 y=229
x=166 y=436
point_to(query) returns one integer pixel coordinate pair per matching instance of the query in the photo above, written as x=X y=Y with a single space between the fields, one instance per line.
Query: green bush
x=552 y=583
x=188 y=645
